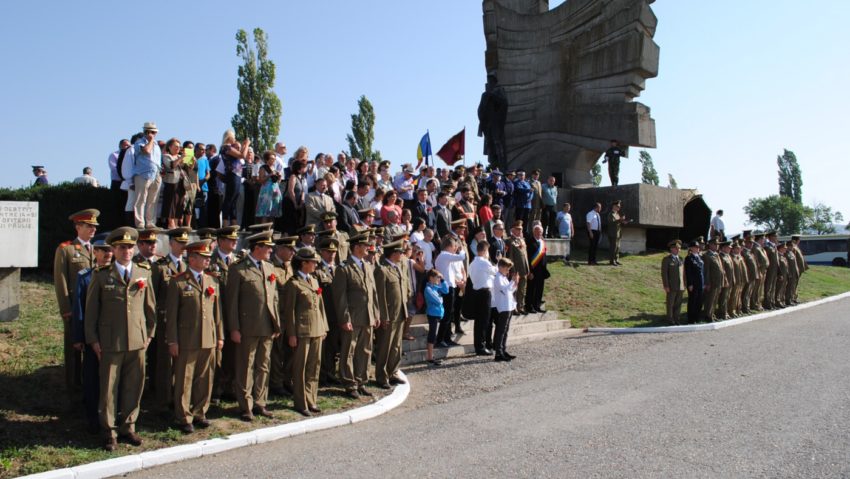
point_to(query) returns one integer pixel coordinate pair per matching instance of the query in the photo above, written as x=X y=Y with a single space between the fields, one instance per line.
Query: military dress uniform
x=280 y=366
x=715 y=282
x=763 y=264
x=331 y=345
x=393 y=288
x=741 y=280
x=251 y=308
x=120 y=320
x=694 y=276
x=781 y=277
x=193 y=312
x=793 y=275
x=728 y=285
x=615 y=232
x=802 y=266
x=771 y=274
x=70 y=258
x=517 y=252
x=751 y=263
x=304 y=319
x=225 y=358
x=673 y=280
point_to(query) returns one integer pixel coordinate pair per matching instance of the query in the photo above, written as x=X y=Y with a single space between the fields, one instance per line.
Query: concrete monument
x=19 y=237
x=569 y=76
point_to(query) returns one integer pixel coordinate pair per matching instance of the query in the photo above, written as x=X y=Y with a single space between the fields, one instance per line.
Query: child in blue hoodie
x=435 y=288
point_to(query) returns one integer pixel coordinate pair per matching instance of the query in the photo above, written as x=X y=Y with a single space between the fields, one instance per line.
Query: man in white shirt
x=279 y=157
x=481 y=275
x=86 y=178
x=594 y=231
x=450 y=263
x=717 y=227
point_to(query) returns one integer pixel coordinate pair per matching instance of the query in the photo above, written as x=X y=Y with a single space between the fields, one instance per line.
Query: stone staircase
x=523 y=329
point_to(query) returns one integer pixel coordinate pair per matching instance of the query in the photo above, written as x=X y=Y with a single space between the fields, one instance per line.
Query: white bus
x=825 y=249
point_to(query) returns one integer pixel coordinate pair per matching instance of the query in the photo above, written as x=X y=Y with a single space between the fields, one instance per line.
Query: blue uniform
x=694 y=281
x=91 y=365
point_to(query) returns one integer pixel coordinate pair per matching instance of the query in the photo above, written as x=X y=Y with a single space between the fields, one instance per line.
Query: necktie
x=227 y=260
x=88 y=249
x=200 y=279
x=126 y=276
x=179 y=265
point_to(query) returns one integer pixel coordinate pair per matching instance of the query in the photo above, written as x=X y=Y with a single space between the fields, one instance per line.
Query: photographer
x=270 y=197
x=174 y=189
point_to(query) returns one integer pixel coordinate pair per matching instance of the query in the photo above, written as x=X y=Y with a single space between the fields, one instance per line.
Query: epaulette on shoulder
x=143 y=265
x=163 y=261
x=101 y=268
x=64 y=244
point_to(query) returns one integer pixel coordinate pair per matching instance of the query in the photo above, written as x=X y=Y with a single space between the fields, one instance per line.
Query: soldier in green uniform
x=193 y=333
x=802 y=266
x=751 y=263
x=206 y=234
x=120 y=322
x=305 y=326
x=393 y=287
x=715 y=279
x=328 y=248
x=223 y=257
x=729 y=283
x=772 y=270
x=329 y=223
x=306 y=237
x=616 y=220
x=356 y=302
x=147 y=246
x=673 y=281
x=781 y=276
x=741 y=280
x=763 y=263
x=72 y=257
x=251 y=314
x=161 y=363
x=280 y=375
x=516 y=251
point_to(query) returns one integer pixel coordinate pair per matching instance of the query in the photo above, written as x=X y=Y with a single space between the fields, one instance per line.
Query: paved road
x=764 y=399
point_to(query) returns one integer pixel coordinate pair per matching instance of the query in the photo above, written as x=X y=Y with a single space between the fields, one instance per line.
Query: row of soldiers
x=207 y=320
x=726 y=279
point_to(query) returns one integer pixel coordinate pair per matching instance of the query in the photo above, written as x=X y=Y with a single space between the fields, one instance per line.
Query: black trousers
x=503 y=324
x=695 y=298
x=594 y=245
x=481 y=303
x=457 y=307
x=91 y=386
x=547 y=217
x=534 y=292
x=119 y=198
x=214 y=200
x=523 y=214
x=444 y=333
x=614 y=171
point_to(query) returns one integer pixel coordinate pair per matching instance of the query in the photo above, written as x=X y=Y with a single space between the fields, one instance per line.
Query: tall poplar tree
x=363 y=132
x=790 y=176
x=258 y=111
x=648 y=174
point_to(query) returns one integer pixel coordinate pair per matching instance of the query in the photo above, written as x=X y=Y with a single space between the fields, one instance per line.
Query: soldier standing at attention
x=782 y=275
x=802 y=266
x=537 y=199
x=612 y=157
x=393 y=290
x=223 y=256
x=147 y=246
x=615 y=231
x=752 y=284
x=763 y=263
x=305 y=326
x=280 y=375
x=72 y=257
x=517 y=252
x=252 y=318
x=356 y=301
x=673 y=280
x=328 y=248
x=193 y=333
x=120 y=322
x=772 y=270
x=170 y=265
x=329 y=223
x=729 y=284
x=741 y=279
x=695 y=281
x=715 y=279
x=793 y=274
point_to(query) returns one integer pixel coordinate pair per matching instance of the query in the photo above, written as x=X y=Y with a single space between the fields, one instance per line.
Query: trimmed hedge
x=55 y=204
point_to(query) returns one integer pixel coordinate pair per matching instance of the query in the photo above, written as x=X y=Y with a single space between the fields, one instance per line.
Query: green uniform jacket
x=751 y=262
x=250 y=299
x=741 y=276
x=802 y=266
x=355 y=295
x=761 y=259
x=515 y=251
x=393 y=291
x=120 y=316
x=673 y=273
x=303 y=307
x=791 y=258
x=70 y=259
x=772 y=258
x=615 y=226
x=728 y=270
x=325 y=276
x=193 y=314
x=716 y=277
x=163 y=271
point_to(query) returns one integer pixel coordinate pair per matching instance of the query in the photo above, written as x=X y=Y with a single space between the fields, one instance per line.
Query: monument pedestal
x=19 y=236
x=10 y=294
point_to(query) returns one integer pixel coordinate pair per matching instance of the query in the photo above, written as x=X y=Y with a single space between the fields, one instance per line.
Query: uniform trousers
x=354 y=357
x=746 y=295
x=674 y=306
x=91 y=386
x=305 y=366
x=779 y=291
x=769 y=288
x=521 y=289
x=791 y=289
x=225 y=370
x=614 y=247
x=500 y=339
x=330 y=353
x=252 y=372
x=281 y=364
x=122 y=379
x=732 y=303
x=193 y=371
x=711 y=297
x=723 y=302
x=695 y=298
x=388 y=350
x=163 y=370
x=73 y=358
x=758 y=293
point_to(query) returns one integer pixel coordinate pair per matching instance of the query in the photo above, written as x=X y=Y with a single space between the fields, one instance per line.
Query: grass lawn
x=631 y=295
x=43 y=428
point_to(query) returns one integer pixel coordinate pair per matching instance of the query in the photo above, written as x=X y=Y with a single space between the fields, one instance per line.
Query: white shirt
x=127 y=168
x=279 y=163
x=175 y=259
x=112 y=161
x=122 y=269
x=594 y=220
x=198 y=275
x=482 y=272
x=502 y=294
x=717 y=223
x=428 y=249
x=86 y=180
x=447 y=264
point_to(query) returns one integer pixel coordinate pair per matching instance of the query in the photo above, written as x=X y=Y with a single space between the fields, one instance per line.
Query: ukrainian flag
x=424 y=149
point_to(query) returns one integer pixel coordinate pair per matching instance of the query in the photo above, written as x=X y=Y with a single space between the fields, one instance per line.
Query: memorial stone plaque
x=18 y=234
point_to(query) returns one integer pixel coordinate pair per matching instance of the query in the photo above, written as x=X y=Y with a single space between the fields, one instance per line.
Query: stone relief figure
x=492 y=113
x=569 y=76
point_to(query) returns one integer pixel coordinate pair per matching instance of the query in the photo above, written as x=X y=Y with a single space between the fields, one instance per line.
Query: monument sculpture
x=568 y=77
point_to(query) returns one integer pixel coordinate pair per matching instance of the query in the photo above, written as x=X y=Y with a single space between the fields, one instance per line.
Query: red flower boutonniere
x=140 y=284
x=319 y=291
x=272 y=278
x=210 y=291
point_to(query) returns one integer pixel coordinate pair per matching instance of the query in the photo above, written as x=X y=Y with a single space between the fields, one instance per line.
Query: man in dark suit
x=538 y=272
x=348 y=216
x=694 y=281
x=443 y=215
x=421 y=209
x=497 y=242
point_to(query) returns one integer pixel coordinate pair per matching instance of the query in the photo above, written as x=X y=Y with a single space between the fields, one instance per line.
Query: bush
x=55 y=204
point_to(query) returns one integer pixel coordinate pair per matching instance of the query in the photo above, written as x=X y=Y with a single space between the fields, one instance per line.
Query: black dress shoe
x=541 y=310
x=397 y=380
x=483 y=352
x=442 y=344
x=500 y=358
x=314 y=409
x=385 y=386
x=246 y=417
x=459 y=332
x=304 y=412
x=352 y=393
x=187 y=428
x=434 y=362
x=110 y=444
x=450 y=343
x=509 y=356
x=364 y=392
x=131 y=438
x=262 y=411
x=202 y=423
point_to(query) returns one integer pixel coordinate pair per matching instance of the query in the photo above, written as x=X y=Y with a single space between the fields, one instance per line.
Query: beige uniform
x=763 y=263
x=70 y=258
x=673 y=279
x=516 y=251
x=225 y=358
x=751 y=286
x=393 y=287
x=281 y=357
x=715 y=282
x=356 y=301
x=161 y=363
x=304 y=318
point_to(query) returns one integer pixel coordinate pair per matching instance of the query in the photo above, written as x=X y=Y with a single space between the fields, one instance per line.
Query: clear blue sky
x=739 y=81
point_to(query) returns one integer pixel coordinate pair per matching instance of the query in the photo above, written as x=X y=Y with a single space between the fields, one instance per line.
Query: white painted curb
x=689 y=328
x=145 y=460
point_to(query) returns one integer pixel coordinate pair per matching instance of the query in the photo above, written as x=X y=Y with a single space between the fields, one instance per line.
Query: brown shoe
x=314 y=409
x=262 y=411
x=186 y=428
x=364 y=392
x=246 y=417
x=397 y=380
x=110 y=444
x=202 y=423
x=131 y=438
x=352 y=393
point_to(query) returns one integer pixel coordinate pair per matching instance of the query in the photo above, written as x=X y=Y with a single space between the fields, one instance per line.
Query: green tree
x=363 y=132
x=258 y=111
x=596 y=174
x=778 y=213
x=790 y=176
x=648 y=174
x=671 y=182
x=822 y=219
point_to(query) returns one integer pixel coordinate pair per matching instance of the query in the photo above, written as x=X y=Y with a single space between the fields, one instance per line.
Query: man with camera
x=146 y=176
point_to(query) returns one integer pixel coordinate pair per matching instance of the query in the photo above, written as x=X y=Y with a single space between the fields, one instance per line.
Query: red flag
x=453 y=150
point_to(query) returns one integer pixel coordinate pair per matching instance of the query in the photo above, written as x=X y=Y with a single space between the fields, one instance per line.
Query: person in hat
x=147 y=165
x=782 y=275
x=356 y=302
x=404 y=185
x=146 y=246
x=304 y=325
x=393 y=288
x=517 y=252
x=280 y=369
x=616 y=220
x=741 y=279
x=329 y=224
x=207 y=234
x=193 y=333
x=170 y=265
x=612 y=157
x=120 y=320
x=90 y=364
x=252 y=318
x=802 y=266
x=318 y=203
x=729 y=284
x=715 y=279
x=694 y=281
x=673 y=281
x=793 y=274
x=40 y=174
x=306 y=237
x=763 y=262
x=772 y=270
x=328 y=249
x=751 y=264
x=70 y=258
x=223 y=257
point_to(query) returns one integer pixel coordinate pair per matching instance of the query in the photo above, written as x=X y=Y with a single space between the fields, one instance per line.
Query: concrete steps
x=523 y=329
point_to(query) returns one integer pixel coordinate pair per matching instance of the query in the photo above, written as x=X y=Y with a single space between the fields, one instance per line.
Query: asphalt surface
x=769 y=398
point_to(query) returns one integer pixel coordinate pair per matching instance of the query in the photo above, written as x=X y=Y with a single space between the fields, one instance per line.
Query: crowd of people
x=303 y=272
